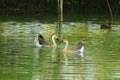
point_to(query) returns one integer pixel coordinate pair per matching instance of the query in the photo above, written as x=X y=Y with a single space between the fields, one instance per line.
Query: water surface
x=21 y=60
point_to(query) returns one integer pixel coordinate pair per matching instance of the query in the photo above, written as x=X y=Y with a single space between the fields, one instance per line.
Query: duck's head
x=55 y=35
x=65 y=40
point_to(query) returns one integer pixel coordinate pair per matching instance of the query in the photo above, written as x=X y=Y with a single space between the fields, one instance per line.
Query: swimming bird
x=106 y=26
x=79 y=48
x=40 y=41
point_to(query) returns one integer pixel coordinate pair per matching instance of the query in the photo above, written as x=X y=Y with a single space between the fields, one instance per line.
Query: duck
x=40 y=41
x=78 y=48
x=106 y=26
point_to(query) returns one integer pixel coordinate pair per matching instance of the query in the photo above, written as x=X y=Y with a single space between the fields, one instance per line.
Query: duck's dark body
x=42 y=41
x=78 y=46
x=104 y=26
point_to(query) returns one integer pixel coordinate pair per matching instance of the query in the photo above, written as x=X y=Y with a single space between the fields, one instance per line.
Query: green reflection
x=21 y=60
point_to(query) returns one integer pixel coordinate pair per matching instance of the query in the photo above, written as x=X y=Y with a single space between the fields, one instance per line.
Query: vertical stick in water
x=111 y=14
x=60 y=17
x=117 y=8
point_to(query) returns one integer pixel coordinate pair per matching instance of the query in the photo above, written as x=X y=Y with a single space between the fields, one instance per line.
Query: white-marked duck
x=79 y=48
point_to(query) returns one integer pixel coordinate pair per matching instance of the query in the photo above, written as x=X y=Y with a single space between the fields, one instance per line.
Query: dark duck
x=106 y=26
x=40 y=41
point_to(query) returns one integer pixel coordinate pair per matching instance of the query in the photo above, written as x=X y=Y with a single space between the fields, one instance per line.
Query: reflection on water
x=21 y=60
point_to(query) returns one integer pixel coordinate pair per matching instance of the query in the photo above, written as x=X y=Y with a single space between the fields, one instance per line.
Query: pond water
x=20 y=59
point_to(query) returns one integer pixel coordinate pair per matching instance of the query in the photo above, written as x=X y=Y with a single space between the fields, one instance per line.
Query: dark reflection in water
x=21 y=60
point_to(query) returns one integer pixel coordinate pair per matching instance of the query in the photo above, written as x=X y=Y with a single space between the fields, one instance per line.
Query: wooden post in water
x=117 y=8
x=111 y=14
x=60 y=17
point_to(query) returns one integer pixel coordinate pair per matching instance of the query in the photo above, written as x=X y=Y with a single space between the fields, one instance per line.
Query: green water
x=21 y=60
